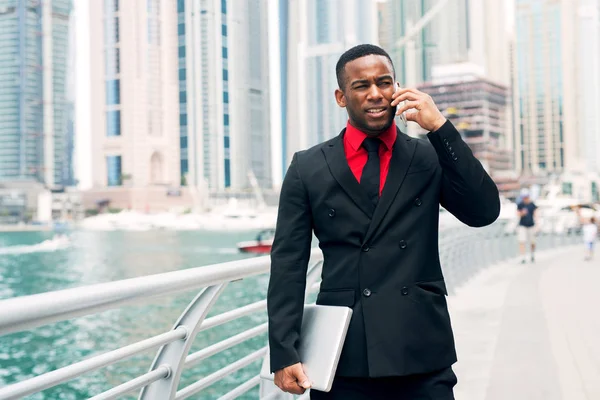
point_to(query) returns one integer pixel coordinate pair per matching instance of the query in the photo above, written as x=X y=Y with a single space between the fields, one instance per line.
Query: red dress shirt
x=357 y=155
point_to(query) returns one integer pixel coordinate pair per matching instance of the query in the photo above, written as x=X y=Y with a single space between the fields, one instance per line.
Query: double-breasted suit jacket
x=381 y=260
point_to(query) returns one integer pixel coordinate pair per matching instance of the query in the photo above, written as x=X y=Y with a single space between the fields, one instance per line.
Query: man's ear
x=340 y=98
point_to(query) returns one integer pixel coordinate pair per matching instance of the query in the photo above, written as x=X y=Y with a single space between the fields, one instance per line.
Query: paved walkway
x=530 y=331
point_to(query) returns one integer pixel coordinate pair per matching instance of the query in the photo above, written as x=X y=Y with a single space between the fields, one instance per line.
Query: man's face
x=367 y=94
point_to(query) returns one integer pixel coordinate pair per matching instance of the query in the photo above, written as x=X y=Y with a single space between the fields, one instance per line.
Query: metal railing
x=463 y=252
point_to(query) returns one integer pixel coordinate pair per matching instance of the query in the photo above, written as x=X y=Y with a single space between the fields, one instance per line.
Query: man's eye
x=385 y=84
x=361 y=87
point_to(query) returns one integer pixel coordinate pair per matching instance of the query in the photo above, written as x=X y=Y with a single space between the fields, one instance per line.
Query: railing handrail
x=26 y=312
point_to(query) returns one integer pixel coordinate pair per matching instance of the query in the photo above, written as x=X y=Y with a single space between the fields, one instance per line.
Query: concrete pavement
x=530 y=331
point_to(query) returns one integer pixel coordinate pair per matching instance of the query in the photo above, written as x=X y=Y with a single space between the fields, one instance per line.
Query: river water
x=29 y=265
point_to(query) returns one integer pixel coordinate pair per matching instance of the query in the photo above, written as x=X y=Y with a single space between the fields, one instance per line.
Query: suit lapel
x=338 y=165
x=402 y=155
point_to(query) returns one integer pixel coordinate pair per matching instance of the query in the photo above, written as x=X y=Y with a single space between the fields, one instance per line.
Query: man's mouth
x=376 y=112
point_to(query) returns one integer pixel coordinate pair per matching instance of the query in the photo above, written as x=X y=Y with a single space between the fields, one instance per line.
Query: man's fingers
x=291 y=387
x=301 y=377
x=292 y=379
x=408 y=92
x=407 y=106
x=411 y=116
x=406 y=96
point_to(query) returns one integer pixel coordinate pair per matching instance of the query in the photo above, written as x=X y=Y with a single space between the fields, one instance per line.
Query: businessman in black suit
x=371 y=195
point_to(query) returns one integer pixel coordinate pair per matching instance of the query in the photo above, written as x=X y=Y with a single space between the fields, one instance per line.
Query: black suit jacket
x=382 y=261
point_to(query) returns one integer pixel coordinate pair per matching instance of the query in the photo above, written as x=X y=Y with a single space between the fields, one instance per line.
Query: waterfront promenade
x=523 y=331
x=530 y=331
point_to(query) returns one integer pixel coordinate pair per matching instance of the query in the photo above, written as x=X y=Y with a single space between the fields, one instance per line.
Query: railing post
x=173 y=354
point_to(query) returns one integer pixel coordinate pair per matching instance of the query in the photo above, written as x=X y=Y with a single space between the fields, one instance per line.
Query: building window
x=183 y=142
x=227 y=173
x=113 y=123
x=224 y=30
x=224 y=51
x=226 y=142
x=182 y=74
x=113 y=95
x=226 y=97
x=224 y=6
x=225 y=75
x=112 y=62
x=225 y=119
x=113 y=164
x=181 y=51
x=111 y=5
x=183 y=119
x=181 y=29
x=184 y=167
x=183 y=97
x=567 y=188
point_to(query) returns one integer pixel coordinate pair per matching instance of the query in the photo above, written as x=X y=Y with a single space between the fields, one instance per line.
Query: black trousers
x=436 y=385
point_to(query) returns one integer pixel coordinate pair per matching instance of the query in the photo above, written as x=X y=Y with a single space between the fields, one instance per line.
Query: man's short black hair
x=357 y=52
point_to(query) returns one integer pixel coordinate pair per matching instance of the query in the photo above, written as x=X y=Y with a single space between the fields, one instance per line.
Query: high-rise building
x=460 y=31
x=477 y=108
x=134 y=113
x=545 y=88
x=224 y=93
x=588 y=15
x=316 y=34
x=34 y=113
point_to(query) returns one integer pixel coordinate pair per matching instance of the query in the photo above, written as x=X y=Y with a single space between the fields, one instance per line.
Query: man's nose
x=374 y=93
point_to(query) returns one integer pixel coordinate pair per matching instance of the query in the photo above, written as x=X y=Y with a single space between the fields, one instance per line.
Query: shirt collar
x=355 y=137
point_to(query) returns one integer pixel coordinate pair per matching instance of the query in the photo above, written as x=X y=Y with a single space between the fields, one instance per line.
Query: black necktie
x=370 y=175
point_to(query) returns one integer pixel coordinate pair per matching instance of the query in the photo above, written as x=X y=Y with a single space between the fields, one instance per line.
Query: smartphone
x=402 y=116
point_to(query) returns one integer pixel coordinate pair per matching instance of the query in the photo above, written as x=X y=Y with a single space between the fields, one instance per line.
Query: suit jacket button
x=404 y=291
x=365 y=248
x=418 y=202
x=332 y=213
x=366 y=292
x=402 y=244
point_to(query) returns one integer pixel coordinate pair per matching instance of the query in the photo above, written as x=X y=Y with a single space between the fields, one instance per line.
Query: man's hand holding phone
x=425 y=112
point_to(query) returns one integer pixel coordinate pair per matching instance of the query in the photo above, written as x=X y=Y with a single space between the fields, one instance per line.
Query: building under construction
x=478 y=108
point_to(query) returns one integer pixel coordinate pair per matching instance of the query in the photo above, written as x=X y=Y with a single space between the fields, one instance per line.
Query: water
x=31 y=262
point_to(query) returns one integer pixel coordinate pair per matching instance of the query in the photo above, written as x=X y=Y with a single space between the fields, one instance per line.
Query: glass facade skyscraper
x=543 y=83
x=223 y=93
x=34 y=109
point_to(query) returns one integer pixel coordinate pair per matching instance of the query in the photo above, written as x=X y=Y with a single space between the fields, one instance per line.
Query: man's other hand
x=292 y=379
x=423 y=110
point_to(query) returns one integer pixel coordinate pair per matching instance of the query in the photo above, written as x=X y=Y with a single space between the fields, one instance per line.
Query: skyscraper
x=588 y=15
x=318 y=32
x=545 y=88
x=134 y=113
x=224 y=93
x=461 y=31
x=34 y=114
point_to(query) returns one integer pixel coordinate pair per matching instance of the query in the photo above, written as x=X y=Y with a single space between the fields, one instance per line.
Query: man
x=526 y=230
x=371 y=195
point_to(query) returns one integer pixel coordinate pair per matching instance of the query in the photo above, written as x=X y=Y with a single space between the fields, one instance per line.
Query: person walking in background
x=590 y=233
x=526 y=230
